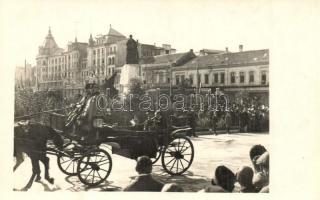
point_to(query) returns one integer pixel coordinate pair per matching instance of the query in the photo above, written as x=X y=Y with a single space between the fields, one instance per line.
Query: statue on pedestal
x=132 y=51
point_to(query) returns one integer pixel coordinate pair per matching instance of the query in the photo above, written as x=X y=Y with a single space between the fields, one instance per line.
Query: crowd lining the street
x=251 y=180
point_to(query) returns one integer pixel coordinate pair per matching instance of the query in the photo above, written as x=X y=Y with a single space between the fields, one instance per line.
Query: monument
x=132 y=68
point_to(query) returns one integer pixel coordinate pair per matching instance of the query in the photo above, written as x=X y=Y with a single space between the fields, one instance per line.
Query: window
x=109 y=61
x=109 y=72
x=182 y=78
x=94 y=52
x=206 y=79
x=98 y=52
x=113 y=60
x=233 y=77
x=94 y=62
x=168 y=80
x=263 y=78
x=241 y=77
x=191 y=79
x=177 y=80
x=216 y=78
x=199 y=78
x=102 y=51
x=222 y=78
x=114 y=49
x=102 y=60
x=251 y=76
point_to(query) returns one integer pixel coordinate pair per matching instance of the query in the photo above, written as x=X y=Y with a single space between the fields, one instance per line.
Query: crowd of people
x=250 y=180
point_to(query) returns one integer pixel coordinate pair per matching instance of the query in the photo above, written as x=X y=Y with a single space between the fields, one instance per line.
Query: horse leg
x=35 y=171
x=19 y=160
x=45 y=161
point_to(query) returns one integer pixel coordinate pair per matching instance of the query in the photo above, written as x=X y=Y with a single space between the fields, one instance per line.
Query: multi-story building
x=233 y=73
x=107 y=54
x=59 y=69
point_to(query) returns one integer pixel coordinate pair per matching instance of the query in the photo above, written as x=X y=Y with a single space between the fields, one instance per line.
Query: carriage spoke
x=69 y=165
x=88 y=174
x=173 y=165
x=99 y=175
x=170 y=161
x=93 y=176
x=186 y=160
x=185 y=149
x=181 y=164
x=183 y=145
x=104 y=170
x=177 y=166
x=103 y=163
x=65 y=161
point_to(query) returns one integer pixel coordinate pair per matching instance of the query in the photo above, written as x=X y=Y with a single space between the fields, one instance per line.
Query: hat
x=257 y=150
x=224 y=177
x=244 y=176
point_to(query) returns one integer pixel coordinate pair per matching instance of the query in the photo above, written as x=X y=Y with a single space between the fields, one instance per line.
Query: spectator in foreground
x=244 y=177
x=263 y=163
x=171 y=187
x=144 y=182
x=260 y=178
x=223 y=180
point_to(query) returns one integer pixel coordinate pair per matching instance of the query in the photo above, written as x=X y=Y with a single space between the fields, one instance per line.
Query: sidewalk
x=218 y=132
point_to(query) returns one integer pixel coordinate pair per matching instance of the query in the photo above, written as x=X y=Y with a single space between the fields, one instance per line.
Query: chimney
x=191 y=50
x=227 y=50
x=240 y=48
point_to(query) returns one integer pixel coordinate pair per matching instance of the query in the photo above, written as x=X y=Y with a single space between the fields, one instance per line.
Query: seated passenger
x=145 y=181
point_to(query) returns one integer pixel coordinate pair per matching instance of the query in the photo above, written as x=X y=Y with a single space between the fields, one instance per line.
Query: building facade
x=243 y=72
x=61 y=69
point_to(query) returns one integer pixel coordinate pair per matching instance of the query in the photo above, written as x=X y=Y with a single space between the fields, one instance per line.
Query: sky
x=183 y=24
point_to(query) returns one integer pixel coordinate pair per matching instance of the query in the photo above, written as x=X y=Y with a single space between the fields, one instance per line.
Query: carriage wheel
x=94 y=167
x=68 y=164
x=154 y=160
x=177 y=156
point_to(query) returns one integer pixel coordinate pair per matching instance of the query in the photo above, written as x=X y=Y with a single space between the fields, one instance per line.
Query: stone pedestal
x=128 y=71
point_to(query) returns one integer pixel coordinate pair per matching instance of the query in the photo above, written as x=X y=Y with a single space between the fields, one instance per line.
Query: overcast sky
x=183 y=24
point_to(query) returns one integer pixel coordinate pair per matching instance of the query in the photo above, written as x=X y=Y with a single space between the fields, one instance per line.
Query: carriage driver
x=90 y=111
x=79 y=106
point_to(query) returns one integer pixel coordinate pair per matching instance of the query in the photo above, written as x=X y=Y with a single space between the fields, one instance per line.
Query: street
x=210 y=151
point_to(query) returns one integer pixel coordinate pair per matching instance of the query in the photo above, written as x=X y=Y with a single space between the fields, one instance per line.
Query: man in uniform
x=78 y=107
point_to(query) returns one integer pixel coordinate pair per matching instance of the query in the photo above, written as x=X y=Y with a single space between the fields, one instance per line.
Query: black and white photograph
x=139 y=96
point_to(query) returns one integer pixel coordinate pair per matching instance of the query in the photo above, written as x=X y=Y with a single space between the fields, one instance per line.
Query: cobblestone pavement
x=210 y=151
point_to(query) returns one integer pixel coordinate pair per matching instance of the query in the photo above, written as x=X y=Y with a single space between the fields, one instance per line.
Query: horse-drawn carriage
x=93 y=164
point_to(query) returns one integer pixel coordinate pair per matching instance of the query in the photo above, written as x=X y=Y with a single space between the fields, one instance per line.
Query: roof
x=231 y=59
x=176 y=58
x=113 y=36
x=49 y=41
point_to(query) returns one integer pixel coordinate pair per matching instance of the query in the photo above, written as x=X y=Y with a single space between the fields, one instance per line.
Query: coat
x=144 y=182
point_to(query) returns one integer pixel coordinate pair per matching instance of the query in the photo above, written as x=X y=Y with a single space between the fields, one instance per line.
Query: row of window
x=101 y=51
x=233 y=78
x=111 y=61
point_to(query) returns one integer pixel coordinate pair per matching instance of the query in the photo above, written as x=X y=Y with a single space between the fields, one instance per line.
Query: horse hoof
x=51 y=180
x=24 y=189
x=38 y=179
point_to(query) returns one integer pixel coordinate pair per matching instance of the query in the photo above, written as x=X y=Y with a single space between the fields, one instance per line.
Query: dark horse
x=31 y=138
